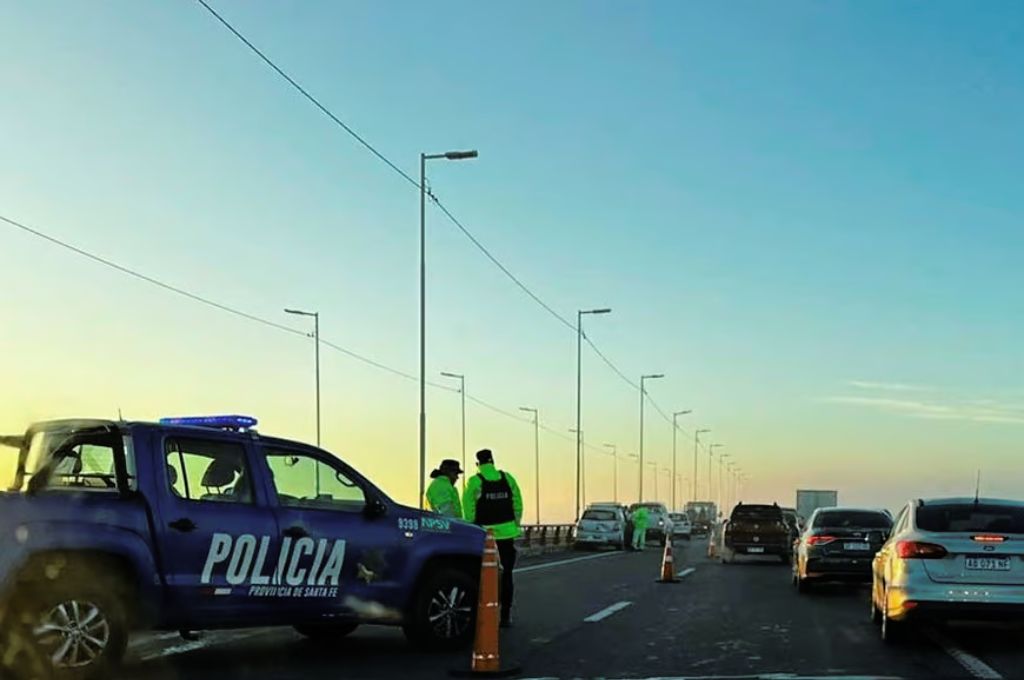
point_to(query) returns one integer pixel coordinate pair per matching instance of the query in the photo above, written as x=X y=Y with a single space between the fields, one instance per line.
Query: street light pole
x=583 y=468
x=654 y=466
x=675 y=431
x=462 y=394
x=711 y=471
x=579 y=400
x=643 y=393
x=615 y=471
x=536 y=458
x=451 y=156
x=721 y=487
x=696 y=444
x=316 y=354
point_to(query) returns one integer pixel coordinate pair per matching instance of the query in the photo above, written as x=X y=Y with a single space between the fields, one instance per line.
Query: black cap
x=484 y=456
x=446 y=467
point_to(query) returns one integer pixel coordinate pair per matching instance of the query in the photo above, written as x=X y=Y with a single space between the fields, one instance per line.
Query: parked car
x=681 y=527
x=658 y=523
x=950 y=558
x=202 y=523
x=602 y=526
x=628 y=527
x=838 y=545
x=755 y=530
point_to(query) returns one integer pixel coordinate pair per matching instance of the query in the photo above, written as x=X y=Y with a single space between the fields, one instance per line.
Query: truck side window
x=206 y=470
x=302 y=481
x=86 y=466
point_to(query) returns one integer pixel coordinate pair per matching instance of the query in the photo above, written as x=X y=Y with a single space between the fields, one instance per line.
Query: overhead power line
x=257 y=319
x=409 y=179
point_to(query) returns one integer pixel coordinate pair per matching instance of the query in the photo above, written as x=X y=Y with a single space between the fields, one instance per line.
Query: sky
x=806 y=215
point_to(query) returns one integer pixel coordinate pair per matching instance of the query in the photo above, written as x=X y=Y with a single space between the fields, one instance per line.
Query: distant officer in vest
x=640 y=519
x=442 y=497
x=493 y=501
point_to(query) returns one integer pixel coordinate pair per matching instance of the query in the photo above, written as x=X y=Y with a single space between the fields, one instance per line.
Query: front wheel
x=443 y=614
x=326 y=632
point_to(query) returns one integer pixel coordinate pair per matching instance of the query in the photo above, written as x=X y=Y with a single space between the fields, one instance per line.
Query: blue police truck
x=202 y=523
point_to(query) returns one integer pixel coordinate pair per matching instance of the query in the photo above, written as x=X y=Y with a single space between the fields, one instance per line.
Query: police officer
x=441 y=494
x=493 y=501
x=640 y=519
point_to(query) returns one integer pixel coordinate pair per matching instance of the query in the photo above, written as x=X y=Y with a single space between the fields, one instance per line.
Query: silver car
x=603 y=525
x=950 y=559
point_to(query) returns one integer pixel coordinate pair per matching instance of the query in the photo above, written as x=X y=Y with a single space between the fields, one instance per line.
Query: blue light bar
x=220 y=422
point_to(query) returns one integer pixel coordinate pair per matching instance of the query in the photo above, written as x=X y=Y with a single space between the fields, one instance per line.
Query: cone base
x=503 y=672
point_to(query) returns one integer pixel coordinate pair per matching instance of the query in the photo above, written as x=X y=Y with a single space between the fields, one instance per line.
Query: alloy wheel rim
x=73 y=634
x=450 y=613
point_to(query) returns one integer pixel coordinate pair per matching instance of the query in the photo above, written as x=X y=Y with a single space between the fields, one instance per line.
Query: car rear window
x=599 y=515
x=971 y=517
x=760 y=512
x=677 y=518
x=859 y=519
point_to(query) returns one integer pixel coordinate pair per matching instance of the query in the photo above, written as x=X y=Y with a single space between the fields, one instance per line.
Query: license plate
x=856 y=546
x=755 y=550
x=988 y=563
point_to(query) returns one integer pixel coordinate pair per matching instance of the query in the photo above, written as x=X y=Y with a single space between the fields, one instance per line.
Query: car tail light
x=820 y=539
x=988 y=538
x=919 y=550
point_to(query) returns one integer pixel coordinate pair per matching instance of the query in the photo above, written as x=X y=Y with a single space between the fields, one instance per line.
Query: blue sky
x=775 y=199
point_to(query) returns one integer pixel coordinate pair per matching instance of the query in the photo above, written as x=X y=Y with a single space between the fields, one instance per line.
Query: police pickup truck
x=202 y=523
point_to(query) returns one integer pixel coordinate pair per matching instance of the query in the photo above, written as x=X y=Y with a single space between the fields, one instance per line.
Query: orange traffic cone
x=668 y=571
x=486 y=661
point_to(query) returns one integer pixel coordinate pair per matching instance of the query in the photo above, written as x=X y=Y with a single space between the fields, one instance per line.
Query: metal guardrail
x=547 y=535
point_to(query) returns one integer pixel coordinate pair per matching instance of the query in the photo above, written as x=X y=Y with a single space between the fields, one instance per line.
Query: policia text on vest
x=493 y=501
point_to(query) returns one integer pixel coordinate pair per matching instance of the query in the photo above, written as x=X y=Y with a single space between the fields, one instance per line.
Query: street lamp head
x=457 y=376
x=527 y=409
x=299 y=312
x=652 y=376
x=682 y=413
x=705 y=431
x=460 y=155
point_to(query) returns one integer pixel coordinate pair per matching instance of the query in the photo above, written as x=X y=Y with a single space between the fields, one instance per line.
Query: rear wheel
x=78 y=620
x=443 y=613
x=892 y=631
x=876 y=613
x=326 y=632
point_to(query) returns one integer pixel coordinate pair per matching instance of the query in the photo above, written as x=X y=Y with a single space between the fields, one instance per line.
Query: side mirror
x=374 y=508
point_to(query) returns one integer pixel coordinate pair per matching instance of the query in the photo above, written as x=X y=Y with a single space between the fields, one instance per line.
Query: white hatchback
x=950 y=559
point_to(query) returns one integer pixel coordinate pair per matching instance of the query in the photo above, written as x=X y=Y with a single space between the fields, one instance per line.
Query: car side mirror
x=374 y=508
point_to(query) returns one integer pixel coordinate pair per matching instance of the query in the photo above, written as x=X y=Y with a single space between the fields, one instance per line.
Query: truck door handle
x=183 y=525
x=295 y=532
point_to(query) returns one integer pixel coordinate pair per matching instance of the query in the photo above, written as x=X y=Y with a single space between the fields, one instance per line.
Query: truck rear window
x=968 y=517
x=850 y=519
x=764 y=513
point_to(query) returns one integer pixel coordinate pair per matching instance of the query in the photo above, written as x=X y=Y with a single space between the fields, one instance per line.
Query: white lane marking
x=686 y=572
x=971 y=663
x=193 y=645
x=607 y=611
x=548 y=565
x=763 y=676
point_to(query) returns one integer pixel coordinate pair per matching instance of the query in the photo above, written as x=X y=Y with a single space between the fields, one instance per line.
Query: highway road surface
x=601 y=615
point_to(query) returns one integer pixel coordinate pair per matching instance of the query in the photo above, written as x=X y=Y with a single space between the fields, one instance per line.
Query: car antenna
x=977 y=487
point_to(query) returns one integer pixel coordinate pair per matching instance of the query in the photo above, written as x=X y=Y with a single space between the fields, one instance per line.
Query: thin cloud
x=975 y=410
x=887 y=386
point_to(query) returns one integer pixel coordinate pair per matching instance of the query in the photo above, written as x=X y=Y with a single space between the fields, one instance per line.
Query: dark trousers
x=507 y=556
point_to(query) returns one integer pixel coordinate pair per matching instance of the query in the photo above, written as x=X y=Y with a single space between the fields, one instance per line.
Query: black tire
x=876 y=613
x=454 y=631
x=893 y=632
x=78 y=597
x=326 y=632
